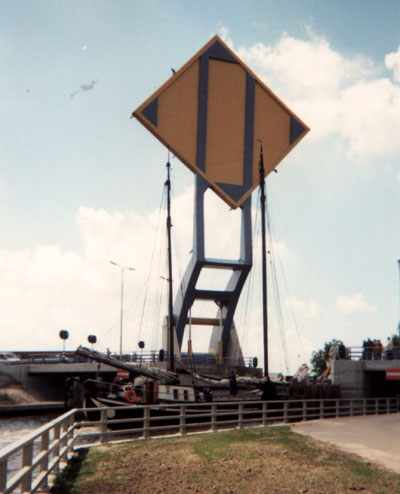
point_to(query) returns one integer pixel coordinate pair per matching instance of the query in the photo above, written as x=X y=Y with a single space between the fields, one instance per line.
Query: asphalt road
x=375 y=438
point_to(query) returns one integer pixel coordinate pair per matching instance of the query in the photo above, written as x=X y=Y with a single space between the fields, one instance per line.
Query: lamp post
x=122 y=268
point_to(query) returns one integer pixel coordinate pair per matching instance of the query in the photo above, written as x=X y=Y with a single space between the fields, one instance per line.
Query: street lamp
x=64 y=335
x=122 y=301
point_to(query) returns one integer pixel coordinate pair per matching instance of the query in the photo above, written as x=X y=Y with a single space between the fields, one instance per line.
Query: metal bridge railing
x=371 y=353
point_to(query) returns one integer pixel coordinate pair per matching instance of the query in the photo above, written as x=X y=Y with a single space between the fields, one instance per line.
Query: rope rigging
x=153 y=267
x=275 y=288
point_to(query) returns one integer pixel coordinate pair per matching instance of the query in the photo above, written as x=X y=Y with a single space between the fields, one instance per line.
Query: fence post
x=337 y=408
x=146 y=422
x=304 y=410
x=3 y=475
x=182 y=420
x=285 y=412
x=103 y=425
x=240 y=415
x=56 y=438
x=264 y=413
x=44 y=464
x=376 y=406
x=71 y=434
x=64 y=442
x=213 y=417
x=27 y=454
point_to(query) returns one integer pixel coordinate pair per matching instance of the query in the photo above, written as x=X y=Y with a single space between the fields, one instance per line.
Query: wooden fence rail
x=27 y=463
x=41 y=453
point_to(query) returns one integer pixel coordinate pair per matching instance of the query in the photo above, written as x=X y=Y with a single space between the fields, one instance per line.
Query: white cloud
x=224 y=32
x=47 y=289
x=392 y=62
x=334 y=95
x=354 y=303
x=305 y=308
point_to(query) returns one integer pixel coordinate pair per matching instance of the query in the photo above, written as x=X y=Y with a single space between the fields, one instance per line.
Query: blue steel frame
x=227 y=299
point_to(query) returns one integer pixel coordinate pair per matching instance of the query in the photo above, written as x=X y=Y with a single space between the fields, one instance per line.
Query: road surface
x=374 y=437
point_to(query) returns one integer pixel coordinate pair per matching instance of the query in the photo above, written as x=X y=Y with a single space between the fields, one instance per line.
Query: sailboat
x=173 y=379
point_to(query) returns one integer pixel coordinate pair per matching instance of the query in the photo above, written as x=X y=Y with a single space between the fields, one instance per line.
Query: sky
x=81 y=183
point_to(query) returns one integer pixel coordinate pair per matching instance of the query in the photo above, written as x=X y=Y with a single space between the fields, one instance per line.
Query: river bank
x=14 y=394
x=15 y=401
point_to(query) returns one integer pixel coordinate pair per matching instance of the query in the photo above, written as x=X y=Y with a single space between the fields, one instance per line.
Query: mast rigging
x=170 y=302
x=264 y=261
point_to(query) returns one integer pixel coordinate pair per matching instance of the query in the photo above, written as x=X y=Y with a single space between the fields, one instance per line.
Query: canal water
x=13 y=428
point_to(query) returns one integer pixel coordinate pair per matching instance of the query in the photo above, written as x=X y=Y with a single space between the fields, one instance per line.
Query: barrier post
x=285 y=412
x=44 y=464
x=240 y=415
x=3 y=475
x=146 y=422
x=182 y=420
x=27 y=454
x=264 y=413
x=103 y=425
x=213 y=417
x=56 y=438
x=71 y=434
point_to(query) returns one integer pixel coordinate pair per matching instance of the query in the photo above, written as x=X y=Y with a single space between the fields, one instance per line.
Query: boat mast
x=398 y=326
x=264 y=262
x=170 y=307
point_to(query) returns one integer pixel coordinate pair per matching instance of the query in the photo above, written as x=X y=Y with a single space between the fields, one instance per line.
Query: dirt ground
x=261 y=460
x=16 y=394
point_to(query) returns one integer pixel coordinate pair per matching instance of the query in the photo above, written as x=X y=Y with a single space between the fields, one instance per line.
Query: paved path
x=375 y=437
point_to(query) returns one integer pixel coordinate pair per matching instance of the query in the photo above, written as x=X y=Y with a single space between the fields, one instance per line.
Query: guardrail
x=42 y=452
x=148 y=421
x=371 y=353
x=196 y=359
x=28 y=462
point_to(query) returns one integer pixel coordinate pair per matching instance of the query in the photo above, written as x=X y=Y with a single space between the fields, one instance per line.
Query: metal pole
x=264 y=262
x=398 y=326
x=170 y=307
x=122 y=302
x=122 y=311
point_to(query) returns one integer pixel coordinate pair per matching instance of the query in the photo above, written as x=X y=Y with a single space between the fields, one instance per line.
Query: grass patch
x=66 y=479
x=258 y=460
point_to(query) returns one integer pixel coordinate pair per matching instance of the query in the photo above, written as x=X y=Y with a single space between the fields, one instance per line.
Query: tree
x=319 y=358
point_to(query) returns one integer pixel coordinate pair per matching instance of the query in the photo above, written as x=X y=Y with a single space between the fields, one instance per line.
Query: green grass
x=66 y=479
x=214 y=446
x=228 y=461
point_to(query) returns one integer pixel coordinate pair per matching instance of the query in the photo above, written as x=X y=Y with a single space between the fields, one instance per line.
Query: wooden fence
x=27 y=463
x=41 y=453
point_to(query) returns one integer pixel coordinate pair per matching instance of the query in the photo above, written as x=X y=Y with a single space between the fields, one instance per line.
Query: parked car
x=8 y=357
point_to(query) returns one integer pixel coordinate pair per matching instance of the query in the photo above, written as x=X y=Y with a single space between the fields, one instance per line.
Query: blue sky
x=80 y=182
